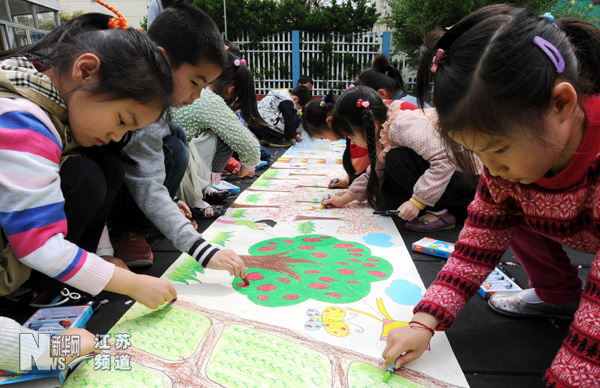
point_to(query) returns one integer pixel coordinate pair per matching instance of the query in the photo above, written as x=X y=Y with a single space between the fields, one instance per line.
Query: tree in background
x=260 y=18
x=65 y=16
x=411 y=20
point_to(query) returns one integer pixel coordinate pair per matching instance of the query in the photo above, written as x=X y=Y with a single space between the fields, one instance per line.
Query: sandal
x=212 y=211
x=444 y=222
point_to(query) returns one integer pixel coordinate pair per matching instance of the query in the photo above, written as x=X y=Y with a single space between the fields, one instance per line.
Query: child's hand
x=86 y=342
x=405 y=344
x=228 y=260
x=185 y=209
x=298 y=137
x=153 y=292
x=338 y=183
x=338 y=200
x=244 y=171
x=408 y=211
x=187 y=213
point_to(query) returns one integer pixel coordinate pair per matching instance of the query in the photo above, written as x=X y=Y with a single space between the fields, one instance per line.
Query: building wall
x=133 y=10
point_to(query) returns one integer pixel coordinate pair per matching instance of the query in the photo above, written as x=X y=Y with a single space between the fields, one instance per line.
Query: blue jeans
x=176 y=158
x=125 y=214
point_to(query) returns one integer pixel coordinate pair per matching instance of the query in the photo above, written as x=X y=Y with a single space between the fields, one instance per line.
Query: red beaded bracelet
x=422 y=326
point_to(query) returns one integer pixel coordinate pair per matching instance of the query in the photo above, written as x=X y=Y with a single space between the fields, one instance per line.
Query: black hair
x=131 y=66
x=303 y=94
x=233 y=48
x=383 y=75
x=188 y=35
x=271 y=223
x=351 y=120
x=168 y=3
x=304 y=79
x=244 y=94
x=315 y=113
x=347 y=161
x=493 y=79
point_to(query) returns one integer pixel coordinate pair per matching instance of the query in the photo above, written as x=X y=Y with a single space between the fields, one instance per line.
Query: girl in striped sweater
x=77 y=87
x=518 y=89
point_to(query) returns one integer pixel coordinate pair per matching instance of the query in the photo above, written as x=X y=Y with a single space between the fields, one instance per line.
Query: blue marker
x=390 y=371
x=333 y=182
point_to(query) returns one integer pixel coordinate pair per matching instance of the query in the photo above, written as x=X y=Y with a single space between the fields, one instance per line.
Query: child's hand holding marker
x=338 y=184
x=337 y=200
x=409 y=342
x=323 y=201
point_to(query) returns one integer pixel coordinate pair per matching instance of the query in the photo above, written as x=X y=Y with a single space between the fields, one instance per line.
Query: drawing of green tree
x=221 y=238
x=187 y=271
x=238 y=213
x=254 y=198
x=262 y=182
x=306 y=227
x=284 y=271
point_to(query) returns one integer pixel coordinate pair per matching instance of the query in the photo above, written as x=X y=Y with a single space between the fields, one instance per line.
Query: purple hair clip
x=238 y=62
x=552 y=52
x=435 y=62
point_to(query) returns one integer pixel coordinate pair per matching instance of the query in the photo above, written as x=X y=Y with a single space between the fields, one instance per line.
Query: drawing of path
x=235 y=352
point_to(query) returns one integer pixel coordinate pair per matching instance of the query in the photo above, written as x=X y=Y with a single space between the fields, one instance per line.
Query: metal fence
x=332 y=60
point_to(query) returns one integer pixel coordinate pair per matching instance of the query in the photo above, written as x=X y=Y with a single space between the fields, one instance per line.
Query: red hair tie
x=119 y=21
x=364 y=104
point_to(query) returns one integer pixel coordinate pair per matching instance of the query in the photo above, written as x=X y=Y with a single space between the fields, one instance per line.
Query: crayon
x=333 y=182
x=322 y=202
x=246 y=282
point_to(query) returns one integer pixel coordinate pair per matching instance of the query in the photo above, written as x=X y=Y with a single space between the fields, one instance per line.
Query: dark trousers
x=403 y=167
x=125 y=215
x=89 y=185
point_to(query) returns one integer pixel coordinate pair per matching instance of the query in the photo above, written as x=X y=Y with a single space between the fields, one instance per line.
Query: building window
x=21 y=12
x=46 y=18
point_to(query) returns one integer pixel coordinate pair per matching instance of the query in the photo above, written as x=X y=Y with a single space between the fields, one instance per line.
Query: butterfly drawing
x=331 y=320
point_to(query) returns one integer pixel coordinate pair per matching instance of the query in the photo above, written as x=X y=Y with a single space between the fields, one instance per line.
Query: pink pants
x=550 y=271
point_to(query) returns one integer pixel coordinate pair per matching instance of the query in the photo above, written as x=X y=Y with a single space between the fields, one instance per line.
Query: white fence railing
x=332 y=60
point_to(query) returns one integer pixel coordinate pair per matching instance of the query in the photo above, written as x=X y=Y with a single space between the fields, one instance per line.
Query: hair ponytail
x=354 y=119
x=243 y=97
x=383 y=75
x=585 y=38
x=374 y=197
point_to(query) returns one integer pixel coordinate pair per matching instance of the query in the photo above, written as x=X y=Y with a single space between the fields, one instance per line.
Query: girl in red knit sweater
x=518 y=90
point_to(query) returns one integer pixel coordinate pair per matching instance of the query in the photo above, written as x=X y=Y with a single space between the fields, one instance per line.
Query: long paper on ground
x=326 y=285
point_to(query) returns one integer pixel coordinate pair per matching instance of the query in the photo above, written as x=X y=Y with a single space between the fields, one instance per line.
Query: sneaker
x=134 y=250
x=209 y=212
x=216 y=196
x=444 y=222
x=273 y=142
x=528 y=305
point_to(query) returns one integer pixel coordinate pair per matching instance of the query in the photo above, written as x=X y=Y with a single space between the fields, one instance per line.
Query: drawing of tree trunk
x=192 y=371
x=284 y=271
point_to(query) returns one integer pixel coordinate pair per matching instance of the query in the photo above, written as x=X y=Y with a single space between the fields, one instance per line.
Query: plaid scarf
x=22 y=74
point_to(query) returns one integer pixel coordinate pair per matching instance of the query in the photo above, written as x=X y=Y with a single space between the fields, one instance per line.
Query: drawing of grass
x=301 y=365
x=254 y=198
x=187 y=271
x=261 y=182
x=222 y=238
x=238 y=213
x=306 y=227
x=364 y=375
x=138 y=376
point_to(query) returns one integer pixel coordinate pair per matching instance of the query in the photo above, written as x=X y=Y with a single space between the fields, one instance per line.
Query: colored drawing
x=186 y=272
x=404 y=292
x=306 y=227
x=378 y=239
x=229 y=351
x=331 y=269
x=221 y=238
x=331 y=320
x=284 y=271
x=237 y=213
x=388 y=322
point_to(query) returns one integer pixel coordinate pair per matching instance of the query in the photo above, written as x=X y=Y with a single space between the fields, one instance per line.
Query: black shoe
x=216 y=196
